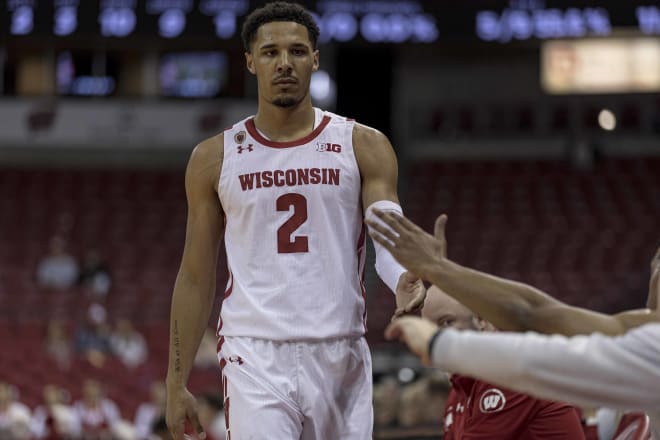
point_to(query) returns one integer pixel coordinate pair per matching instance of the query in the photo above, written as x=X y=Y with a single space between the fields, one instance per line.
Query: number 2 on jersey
x=299 y=243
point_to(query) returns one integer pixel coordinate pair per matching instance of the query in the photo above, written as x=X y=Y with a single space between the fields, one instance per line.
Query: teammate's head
x=445 y=311
x=280 y=49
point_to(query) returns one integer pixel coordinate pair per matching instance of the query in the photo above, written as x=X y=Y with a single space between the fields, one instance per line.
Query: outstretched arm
x=378 y=170
x=194 y=289
x=594 y=370
x=507 y=304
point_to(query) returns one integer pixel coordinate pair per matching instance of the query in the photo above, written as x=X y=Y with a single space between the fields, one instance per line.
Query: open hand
x=415 y=249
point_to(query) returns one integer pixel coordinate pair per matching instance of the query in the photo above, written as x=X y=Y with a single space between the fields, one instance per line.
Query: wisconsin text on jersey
x=290 y=177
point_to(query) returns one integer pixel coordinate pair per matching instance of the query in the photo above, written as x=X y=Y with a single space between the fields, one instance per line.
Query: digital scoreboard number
x=374 y=21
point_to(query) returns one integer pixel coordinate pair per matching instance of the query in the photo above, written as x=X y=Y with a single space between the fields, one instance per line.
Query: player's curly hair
x=278 y=11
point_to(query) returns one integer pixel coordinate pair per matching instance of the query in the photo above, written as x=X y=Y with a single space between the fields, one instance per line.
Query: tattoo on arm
x=177 y=348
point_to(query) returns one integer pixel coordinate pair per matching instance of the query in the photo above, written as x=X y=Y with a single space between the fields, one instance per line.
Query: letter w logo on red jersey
x=241 y=148
x=492 y=400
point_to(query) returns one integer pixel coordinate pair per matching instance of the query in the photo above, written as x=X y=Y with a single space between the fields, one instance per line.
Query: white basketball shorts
x=296 y=390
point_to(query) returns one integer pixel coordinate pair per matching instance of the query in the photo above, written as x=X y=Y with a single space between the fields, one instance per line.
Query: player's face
x=445 y=311
x=283 y=60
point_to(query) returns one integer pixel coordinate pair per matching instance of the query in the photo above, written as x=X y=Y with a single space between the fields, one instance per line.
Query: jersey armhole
x=222 y=162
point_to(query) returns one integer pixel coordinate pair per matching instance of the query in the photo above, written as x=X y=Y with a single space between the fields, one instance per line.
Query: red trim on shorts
x=221 y=339
x=226 y=407
x=249 y=124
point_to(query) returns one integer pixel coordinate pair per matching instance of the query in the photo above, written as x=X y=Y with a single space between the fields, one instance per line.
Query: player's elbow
x=193 y=282
x=518 y=316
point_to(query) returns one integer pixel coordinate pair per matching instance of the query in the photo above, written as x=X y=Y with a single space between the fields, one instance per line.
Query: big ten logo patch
x=326 y=146
x=491 y=401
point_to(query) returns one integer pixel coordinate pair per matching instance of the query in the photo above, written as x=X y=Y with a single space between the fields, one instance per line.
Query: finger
x=398 y=313
x=439 y=229
x=392 y=219
x=381 y=227
x=393 y=331
x=177 y=431
x=379 y=238
x=408 y=224
x=199 y=430
x=384 y=230
x=414 y=305
x=409 y=277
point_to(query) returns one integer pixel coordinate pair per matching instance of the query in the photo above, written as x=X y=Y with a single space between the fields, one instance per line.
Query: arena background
x=534 y=124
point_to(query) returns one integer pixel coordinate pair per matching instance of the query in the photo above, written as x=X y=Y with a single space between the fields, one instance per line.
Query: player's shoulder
x=205 y=161
x=208 y=149
x=366 y=136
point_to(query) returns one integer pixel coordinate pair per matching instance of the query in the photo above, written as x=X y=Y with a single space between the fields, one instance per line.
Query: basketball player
x=479 y=410
x=287 y=187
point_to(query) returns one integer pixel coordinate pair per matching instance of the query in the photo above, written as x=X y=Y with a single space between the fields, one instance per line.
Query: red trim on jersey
x=230 y=286
x=221 y=339
x=249 y=124
x=360 y=249
x=218 y=347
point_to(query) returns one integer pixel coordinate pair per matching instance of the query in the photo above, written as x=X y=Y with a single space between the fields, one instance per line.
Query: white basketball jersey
x=294 y=234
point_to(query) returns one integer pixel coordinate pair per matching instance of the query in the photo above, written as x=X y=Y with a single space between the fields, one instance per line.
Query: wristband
x=429 y=349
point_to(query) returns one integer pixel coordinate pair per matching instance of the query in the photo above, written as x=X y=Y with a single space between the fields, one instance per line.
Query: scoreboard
x=380 y=21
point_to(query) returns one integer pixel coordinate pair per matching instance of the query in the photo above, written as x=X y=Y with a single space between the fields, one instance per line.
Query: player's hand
x=410 y=295
x=415 y=332
x=416 y=250
x=182 y=407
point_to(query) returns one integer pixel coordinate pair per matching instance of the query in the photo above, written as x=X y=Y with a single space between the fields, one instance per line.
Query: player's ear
x=315 y=66
x=249 y=62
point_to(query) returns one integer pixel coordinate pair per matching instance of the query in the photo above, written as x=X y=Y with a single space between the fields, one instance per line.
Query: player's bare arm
x=508 y=304
x=194 y=288
x=377 y=163
x=379 y=172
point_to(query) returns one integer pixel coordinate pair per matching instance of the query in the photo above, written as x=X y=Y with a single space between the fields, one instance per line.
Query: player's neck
x=285 y=124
